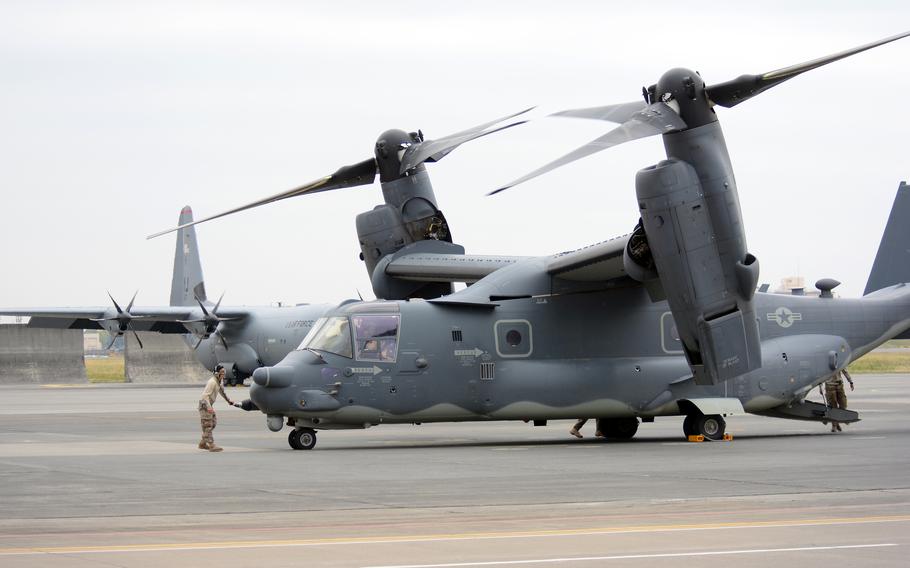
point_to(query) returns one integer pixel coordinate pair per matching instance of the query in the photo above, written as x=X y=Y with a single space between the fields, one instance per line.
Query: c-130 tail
x=187 y=283
x=892 y=263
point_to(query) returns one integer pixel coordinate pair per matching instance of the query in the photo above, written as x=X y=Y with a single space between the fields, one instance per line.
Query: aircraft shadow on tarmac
x=587 y=441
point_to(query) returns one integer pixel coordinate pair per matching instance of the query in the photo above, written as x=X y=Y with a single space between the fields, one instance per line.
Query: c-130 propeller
x=690 y=246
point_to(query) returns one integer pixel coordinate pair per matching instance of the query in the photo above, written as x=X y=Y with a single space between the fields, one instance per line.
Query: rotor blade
x=198 y=343
x=731 y=93
x=111 y=344
x=485 y=125
x=116 y=305
x=610 y=113
x=136 y=335
x=223 y=341
x=362 y=173
x=435 y=150
x=657 y=118
x=218 y=303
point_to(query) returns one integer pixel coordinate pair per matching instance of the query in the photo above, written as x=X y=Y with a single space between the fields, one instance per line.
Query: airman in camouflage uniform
x=835 y=395
x=581 y=422
x=206 y=407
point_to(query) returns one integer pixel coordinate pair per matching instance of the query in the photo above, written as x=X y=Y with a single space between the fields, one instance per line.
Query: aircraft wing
x=435 y=267
x=595 y=263
x=164 y=319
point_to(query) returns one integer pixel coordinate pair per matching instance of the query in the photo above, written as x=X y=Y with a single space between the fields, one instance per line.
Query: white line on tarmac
x=391 y=539
x=636 y=556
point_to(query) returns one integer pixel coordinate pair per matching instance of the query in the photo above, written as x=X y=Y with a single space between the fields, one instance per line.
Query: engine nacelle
x=408 y=216
x=708 y=278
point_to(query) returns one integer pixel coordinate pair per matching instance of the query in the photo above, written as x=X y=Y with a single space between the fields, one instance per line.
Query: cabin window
x=332 y=335
x=513 y=338
x=376 y=337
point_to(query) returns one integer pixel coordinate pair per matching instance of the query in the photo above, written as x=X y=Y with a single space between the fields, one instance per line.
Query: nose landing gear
x=302 y=438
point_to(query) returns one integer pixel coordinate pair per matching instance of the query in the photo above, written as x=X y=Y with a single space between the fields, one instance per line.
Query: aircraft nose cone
x=274 y=377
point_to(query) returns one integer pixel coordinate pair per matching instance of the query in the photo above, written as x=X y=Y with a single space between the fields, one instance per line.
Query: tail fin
x=187 y=283
x=892 y=263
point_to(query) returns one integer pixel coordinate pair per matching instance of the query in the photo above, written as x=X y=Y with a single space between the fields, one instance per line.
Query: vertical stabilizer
x=187 y=283
x=892 y=263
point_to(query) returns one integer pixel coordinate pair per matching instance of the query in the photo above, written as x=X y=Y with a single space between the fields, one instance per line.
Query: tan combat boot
x=215 y=448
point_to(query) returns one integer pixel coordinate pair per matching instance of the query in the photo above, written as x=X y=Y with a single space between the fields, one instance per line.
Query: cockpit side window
x=332 y=335
x=376 y=337
x=313 y=331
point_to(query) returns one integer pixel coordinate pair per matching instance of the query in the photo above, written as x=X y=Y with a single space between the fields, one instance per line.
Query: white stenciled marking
x=468 y=352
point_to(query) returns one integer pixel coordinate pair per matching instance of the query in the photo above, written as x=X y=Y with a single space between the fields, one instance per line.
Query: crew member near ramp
x=835 y=395
x=207 y=415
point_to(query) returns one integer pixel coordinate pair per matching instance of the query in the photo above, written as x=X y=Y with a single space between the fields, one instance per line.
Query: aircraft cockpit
x=367 y=333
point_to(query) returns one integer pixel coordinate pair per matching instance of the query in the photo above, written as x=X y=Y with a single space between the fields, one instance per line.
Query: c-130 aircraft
x=663 y=322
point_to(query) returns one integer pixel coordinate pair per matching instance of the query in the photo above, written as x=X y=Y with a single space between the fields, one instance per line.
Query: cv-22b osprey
x=665 y=321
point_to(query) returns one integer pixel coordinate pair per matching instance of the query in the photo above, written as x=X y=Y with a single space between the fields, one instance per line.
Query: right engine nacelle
x=709 y=284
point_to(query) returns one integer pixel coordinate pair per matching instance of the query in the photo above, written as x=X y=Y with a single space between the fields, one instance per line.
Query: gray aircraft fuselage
x=263 y=337
x=553 y=357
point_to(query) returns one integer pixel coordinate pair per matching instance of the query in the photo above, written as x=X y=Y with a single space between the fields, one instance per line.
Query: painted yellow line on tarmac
x=391 y=539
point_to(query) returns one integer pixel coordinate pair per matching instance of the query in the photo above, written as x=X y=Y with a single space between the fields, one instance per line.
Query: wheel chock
x=696 y=438
x=728 y=437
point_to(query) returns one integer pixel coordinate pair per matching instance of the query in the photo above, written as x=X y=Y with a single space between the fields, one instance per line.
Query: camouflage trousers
x=209 y=420
x=836 y=397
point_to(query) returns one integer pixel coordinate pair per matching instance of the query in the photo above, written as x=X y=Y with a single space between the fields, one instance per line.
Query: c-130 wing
x=163 y=319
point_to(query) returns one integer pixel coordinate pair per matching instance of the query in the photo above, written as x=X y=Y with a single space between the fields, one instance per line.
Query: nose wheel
x=302 y=438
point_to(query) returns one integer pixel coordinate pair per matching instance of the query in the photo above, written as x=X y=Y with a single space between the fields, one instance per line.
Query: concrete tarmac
x=111 y=476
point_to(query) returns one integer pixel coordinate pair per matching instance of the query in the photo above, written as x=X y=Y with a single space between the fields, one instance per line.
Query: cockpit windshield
x=376 y=337
x=332 y=335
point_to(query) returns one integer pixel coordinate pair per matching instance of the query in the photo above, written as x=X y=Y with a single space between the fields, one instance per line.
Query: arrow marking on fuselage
x=469 y=352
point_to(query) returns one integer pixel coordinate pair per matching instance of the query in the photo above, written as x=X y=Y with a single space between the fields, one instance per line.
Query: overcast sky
x=114 y=115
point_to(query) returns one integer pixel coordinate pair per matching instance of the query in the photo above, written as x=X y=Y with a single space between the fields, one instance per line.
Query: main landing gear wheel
x=711 y=426
x=619 y=428
x=302 y=438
